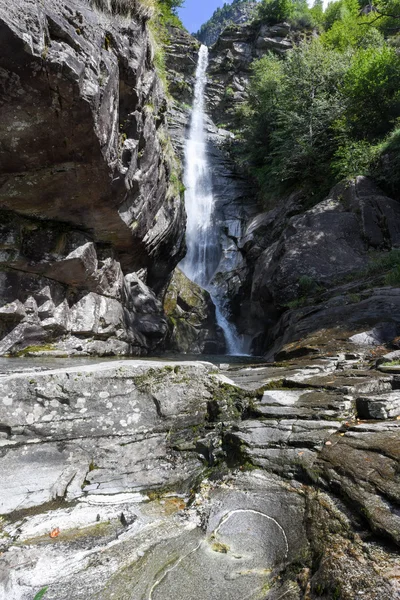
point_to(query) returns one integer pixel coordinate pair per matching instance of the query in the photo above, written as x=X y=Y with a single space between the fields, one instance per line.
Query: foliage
x=275 y=11
x=40 y=594
x=348 y=32
x=372 y=89
x=290 y=116
x=340 y=11
x=354 y=158
x=393 y=278
x=386 y=167
x=330 y=108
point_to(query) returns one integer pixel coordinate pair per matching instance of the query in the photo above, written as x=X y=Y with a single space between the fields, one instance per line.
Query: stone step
x=382 y=406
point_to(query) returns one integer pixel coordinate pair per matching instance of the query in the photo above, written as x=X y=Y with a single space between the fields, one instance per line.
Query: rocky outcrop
x=135 y=479
x=230 y=65
x=92 y=218
x=191 y=318
x=321 y=269
x=236 y=13
x=181 y=55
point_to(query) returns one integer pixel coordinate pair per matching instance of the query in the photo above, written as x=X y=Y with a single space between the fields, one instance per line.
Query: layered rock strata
x=323 y=270
x=147 y=480
x=92 y=218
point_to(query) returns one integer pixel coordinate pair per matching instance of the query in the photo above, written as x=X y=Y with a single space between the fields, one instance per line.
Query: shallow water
x=26 y=363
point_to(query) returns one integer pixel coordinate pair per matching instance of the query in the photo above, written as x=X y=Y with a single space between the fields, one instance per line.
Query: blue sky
x=196 y=12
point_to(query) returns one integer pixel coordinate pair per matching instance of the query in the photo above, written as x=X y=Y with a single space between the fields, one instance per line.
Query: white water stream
x=203 y=247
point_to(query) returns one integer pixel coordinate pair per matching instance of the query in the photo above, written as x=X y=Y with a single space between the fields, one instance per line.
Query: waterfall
x=203 y=248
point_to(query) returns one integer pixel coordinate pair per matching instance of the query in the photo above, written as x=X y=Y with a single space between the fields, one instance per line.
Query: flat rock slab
x=257 y=376
x=102 y=428
x=252 y=525
x=287 y=446
x=304 y=404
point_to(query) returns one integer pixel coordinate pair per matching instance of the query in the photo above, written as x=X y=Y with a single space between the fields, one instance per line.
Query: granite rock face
x=230 y=64
x=88 y=177
x=329 y=241
x=234 y=14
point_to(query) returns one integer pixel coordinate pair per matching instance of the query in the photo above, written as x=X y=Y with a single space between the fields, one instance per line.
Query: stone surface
x=236 y=13
x=143 y=479
x=307 y=274
x=384 y=406
x=87 y=177
x=192 y=321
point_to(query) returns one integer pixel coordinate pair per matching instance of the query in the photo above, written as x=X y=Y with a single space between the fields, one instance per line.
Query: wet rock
x=192 y=322
x=106 y=463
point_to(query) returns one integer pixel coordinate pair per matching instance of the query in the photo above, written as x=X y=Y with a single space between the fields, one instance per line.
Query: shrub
x=386 y=168
x=354 y=158
x=307 y=285
x=372 y=91
x=293 y=105
x=275 y=11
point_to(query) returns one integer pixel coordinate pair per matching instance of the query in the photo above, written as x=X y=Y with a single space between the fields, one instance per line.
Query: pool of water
x=16 y=365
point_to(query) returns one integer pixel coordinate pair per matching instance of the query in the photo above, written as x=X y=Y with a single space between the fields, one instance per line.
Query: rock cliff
x=92 y=219
x=304 y=272
x=239 y=11
x=325 y=274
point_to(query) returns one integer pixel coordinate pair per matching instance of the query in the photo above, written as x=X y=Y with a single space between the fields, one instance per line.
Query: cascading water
x=203 y=248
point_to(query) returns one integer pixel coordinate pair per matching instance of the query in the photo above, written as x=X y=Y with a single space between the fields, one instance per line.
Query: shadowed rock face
x=83 y=149
x=312 y=271
x=191 y=318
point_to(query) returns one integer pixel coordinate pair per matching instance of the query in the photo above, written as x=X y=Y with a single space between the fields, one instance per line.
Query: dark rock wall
x=88 y=176
x=309 y=270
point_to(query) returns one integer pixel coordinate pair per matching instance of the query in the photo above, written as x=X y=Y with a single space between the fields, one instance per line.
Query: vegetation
x=146 y=8
x=330 y=108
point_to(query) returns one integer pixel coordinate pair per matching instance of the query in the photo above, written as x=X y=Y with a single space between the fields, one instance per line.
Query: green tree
x=275 y=11
x=372 y=91
x=293 y=106
x=340 y=11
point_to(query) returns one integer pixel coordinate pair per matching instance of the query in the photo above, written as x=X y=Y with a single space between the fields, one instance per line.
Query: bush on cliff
x=293 y=106
x=275 y=11
x=165 y=9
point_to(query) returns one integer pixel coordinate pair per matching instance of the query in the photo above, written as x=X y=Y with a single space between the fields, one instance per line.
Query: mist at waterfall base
x=203 y=248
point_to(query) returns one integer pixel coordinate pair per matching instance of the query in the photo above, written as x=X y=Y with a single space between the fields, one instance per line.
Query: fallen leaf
x=55 y=532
